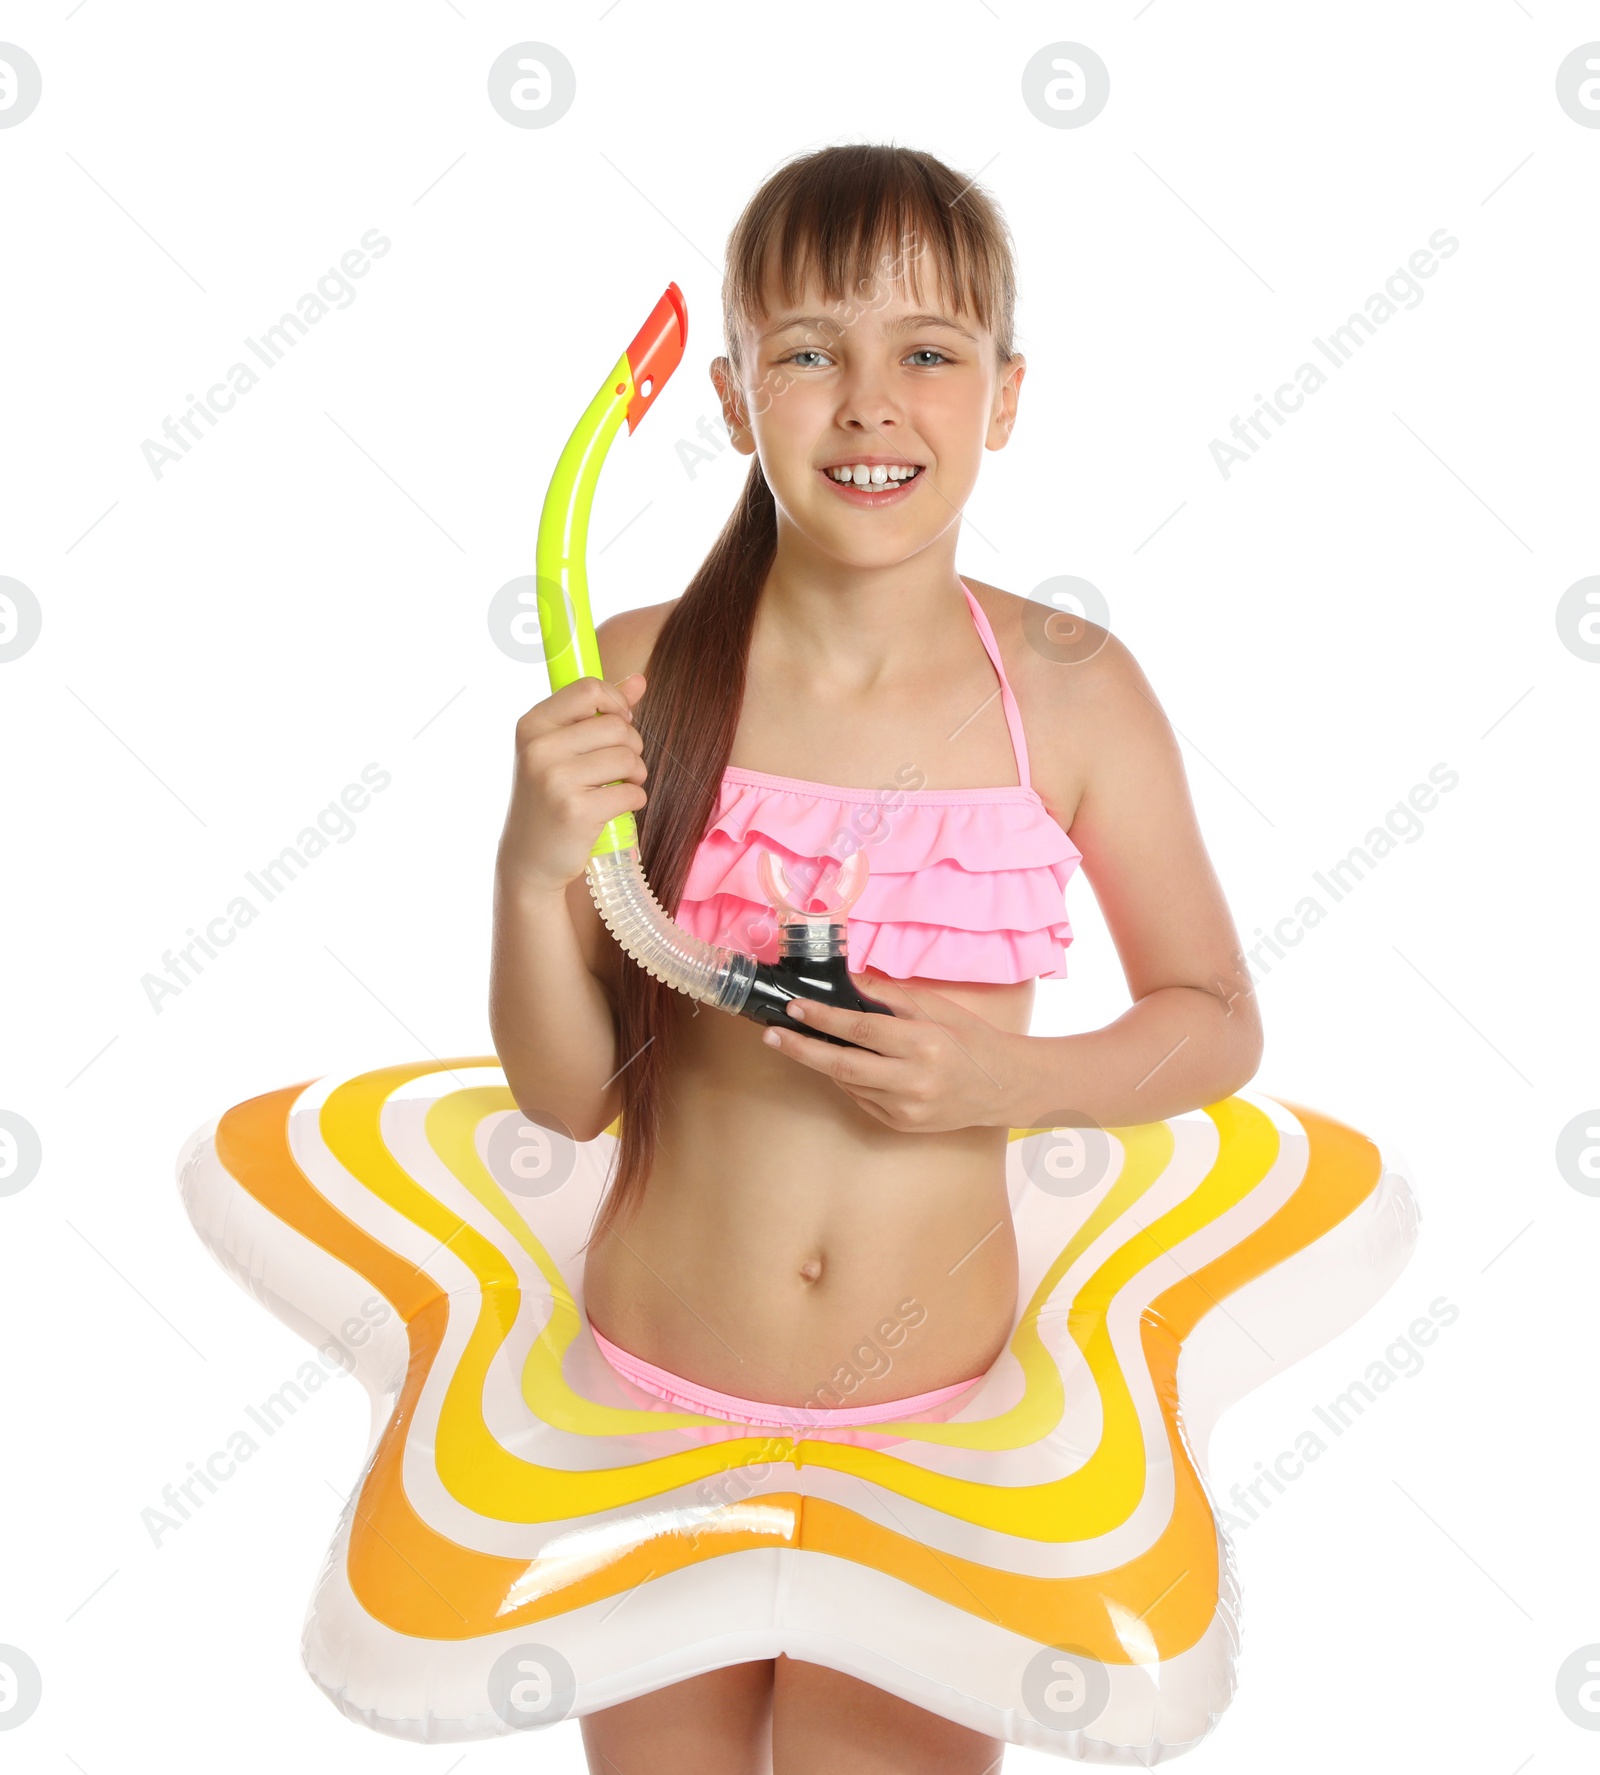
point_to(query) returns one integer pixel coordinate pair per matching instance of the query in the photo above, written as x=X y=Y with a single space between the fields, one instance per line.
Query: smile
x=872 y=483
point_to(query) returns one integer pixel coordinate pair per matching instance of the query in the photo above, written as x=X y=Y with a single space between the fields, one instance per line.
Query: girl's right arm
x=554 y=966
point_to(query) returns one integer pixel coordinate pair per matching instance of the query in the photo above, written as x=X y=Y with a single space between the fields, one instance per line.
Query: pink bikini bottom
x=692 y=1397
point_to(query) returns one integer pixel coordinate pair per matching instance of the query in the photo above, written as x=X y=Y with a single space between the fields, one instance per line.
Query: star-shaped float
x=534 y=1538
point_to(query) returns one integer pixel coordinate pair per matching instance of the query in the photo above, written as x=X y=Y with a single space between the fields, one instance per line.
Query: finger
x=600 y=733
x=865 y=1029
x=876 y=985
x=883 y=1102
x=611 y=799
x=852 y=1068
x=605 y=764
x=592 y=696
x=887 y=1107
x=902 y=1000
x=872 y=1104
x=571 y=704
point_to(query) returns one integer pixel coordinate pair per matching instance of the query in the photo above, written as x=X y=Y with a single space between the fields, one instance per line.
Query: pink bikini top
x=963 y=884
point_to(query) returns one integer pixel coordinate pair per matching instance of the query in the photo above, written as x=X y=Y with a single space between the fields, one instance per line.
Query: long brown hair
x=855 y=216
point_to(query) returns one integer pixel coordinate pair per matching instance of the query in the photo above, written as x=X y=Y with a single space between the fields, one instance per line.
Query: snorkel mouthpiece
x=812 y=963
x=811 y=948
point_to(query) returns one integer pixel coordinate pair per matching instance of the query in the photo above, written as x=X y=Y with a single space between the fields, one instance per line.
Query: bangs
x=855 y=219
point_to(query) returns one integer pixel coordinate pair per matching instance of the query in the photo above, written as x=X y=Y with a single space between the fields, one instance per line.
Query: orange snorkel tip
x=656 y=351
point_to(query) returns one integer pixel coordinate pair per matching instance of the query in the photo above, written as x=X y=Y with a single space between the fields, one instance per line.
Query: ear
x=1003 y=416
x=735 y=413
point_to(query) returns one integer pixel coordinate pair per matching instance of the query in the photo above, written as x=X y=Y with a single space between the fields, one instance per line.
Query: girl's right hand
x=580 y=762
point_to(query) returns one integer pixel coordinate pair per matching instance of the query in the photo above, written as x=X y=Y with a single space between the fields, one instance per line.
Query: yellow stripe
x=452 y=1125
x=466 y=1452
x=421 y=1582
x=1098 y=1496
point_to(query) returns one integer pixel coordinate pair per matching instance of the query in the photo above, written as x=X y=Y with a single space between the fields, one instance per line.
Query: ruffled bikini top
x=963 y=884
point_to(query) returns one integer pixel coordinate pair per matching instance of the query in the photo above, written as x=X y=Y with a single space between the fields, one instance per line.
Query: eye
x=925 y=352
x=809 y=351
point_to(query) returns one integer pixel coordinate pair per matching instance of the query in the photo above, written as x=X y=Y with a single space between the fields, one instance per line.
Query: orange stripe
x=403 y=1572
x=424 y=1584
x=252 y=1143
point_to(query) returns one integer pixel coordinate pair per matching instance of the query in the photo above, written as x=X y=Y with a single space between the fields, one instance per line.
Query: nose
x=867 y=405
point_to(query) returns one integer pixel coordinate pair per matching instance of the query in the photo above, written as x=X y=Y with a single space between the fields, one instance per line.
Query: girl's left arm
x=1193 y=1033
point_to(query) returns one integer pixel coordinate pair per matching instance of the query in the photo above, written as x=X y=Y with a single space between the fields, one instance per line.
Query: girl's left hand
x=931 y=1067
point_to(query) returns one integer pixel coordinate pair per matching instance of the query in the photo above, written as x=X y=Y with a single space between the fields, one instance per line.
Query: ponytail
x=687 y=718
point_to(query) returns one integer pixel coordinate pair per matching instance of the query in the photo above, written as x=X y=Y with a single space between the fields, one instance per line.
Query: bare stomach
x=792 y=1248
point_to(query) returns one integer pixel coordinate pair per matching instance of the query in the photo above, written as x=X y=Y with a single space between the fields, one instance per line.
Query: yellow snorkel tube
x=565 y=623
x=812 y=960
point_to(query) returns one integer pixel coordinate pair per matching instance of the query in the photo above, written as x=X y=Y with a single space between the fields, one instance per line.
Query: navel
x=811 y=1269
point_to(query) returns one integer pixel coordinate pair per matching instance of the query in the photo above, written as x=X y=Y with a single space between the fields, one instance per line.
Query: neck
x=858 y=626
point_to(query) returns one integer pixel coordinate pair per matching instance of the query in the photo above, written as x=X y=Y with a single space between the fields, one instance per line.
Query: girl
x=798 y=1232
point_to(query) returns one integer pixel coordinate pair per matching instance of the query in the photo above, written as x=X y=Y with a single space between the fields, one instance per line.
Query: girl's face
x=902 y=395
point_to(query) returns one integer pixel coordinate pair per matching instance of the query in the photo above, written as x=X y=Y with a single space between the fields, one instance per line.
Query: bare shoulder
x=1081 y=693
x=626 y=639
x=1035 y=638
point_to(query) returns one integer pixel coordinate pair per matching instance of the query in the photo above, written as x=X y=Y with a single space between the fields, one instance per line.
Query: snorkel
x=812 y=942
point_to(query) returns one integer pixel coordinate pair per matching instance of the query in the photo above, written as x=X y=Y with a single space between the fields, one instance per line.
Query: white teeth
x=876 y=476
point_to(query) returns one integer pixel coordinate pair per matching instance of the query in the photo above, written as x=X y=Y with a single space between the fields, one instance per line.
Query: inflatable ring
x=533 y=1538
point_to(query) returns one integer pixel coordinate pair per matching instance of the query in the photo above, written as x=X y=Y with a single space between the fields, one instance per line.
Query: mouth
x=873 y=481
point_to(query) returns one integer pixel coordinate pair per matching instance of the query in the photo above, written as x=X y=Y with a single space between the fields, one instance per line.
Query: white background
x=225 y=647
